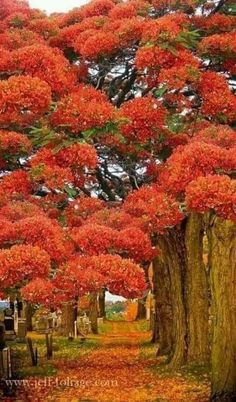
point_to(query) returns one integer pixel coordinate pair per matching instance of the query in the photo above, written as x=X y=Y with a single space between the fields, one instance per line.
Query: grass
x=196 y=372
x=62 y=349
x=123 y=326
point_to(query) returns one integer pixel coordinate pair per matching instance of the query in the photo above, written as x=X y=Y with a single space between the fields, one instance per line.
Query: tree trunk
x=173 y=248
x=28 y=312
x=101 y=303
x=196 y=291
x=163 y=328
x=67 y=319
x=154 y=322
x=222 y=242
x=93 y=312
x=141 y=313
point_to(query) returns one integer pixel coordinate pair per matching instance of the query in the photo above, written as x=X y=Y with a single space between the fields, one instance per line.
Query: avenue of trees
x=118 y=149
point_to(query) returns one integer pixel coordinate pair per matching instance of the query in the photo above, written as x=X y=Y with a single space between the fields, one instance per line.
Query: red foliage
x=97 y=7
x=34 y=231
x=94 y=239
x=73 y=280
x=12 y=6
x=18 y=38
x=40 y=291
x=16 y=184
x=44 y=27
x=47 y=64
x=21 y=263
x=143 y=119
x=53 y=177
x=164 y=29
x=8 y=232
x=218 y=100
x=23 y=100
x=129 y=10
x=213 y=192
x=12 y=146
x=97 y=45
x=122 y=276
x=80 y=209
x=174 y=68
x=17 y=210
x=77 y=156
x=157 y=209
x=84 y=109
x=114 y=218
x=194 y=160
x=135 y=244
x=221 y=135
x=219 y=44
x=215 y=23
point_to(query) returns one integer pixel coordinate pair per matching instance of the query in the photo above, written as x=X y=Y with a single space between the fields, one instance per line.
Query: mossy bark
x=172 y=245
x=222 y=241
x=163 y=328
x=197 y=298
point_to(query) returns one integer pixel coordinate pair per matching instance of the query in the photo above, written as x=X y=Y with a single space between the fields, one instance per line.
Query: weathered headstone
x=9 y=325
x=22 y=328
x=2 y=336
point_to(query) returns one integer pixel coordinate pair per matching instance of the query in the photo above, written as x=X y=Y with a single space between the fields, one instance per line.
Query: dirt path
x=121 y=370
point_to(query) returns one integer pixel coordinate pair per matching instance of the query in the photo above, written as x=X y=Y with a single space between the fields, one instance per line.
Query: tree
x=112 y=99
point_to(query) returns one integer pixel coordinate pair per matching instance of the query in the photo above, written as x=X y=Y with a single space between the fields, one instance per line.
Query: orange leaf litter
x=116 y=371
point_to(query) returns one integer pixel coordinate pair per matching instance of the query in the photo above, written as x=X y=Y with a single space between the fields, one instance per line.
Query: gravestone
x=22 y=328
x=2 y=336
x=9 y=325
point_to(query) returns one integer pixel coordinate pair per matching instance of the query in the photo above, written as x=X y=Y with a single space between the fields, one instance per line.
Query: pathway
x=122 y=369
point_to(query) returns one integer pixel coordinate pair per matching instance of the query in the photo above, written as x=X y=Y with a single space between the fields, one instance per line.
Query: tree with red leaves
x=117 y=122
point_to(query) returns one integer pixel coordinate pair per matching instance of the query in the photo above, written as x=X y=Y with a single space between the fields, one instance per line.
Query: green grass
x=62 y=349
x=105 y=327
x=196 y=372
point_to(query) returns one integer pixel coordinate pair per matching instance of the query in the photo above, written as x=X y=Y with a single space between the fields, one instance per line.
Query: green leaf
x=70 y=191
x=158 y=93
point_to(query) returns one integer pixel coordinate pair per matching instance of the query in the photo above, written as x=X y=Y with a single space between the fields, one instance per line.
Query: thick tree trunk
x=163 y=328
x=172 y=245
x=154 y=322
x=196 y=291
x=101 y=303
x=93 y=312
x=142 y=311
x=222 y=242
x=67 y=319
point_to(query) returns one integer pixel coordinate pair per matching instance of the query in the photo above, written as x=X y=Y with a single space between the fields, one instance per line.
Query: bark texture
x=222 y=241
x=197 y=297
x=163 y=329
x=28 y=312
x=93 y=312
x=101 y=304
x=67 y=319
x=172 y=245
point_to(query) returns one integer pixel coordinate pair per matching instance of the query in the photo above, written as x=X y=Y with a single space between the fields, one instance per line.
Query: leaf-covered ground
x=122 y=367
